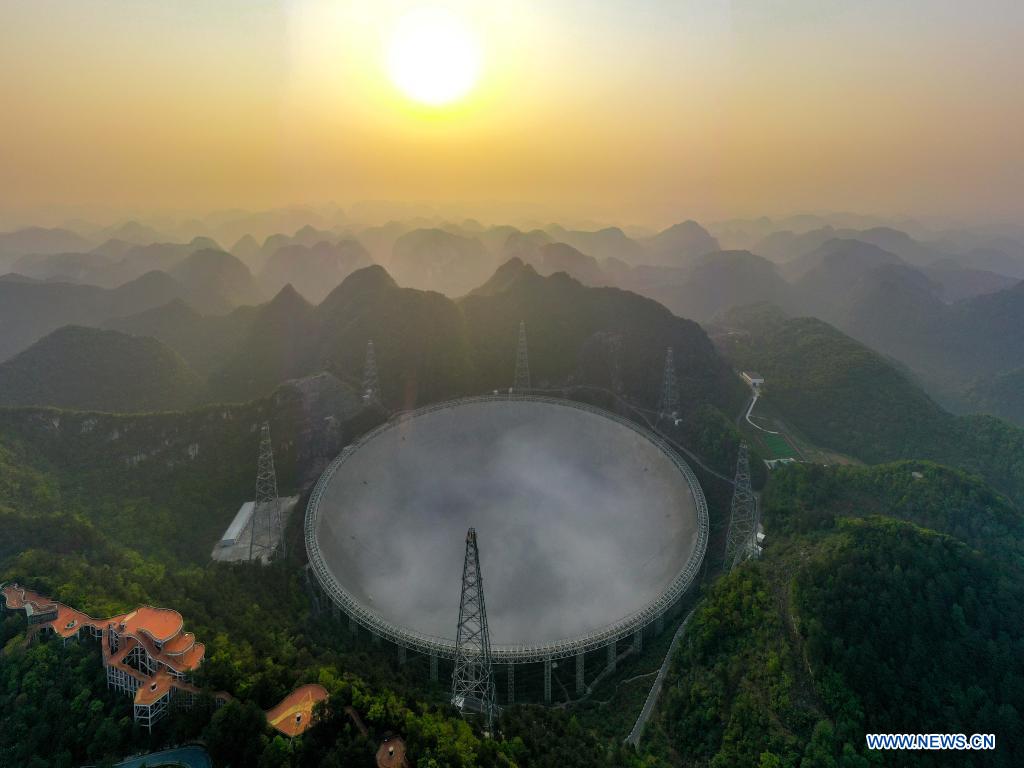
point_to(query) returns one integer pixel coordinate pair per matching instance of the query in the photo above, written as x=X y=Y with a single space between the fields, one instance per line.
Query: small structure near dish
x=755 y=380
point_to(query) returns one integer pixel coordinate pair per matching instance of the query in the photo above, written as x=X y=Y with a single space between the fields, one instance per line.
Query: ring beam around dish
x=590 y=526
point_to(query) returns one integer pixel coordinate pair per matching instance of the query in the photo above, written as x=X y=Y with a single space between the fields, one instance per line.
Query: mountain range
x=210 y=281
x=935 y=305
x=428 y=347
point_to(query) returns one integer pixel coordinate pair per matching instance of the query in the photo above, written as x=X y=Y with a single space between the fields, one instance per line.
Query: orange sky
x=638 y=112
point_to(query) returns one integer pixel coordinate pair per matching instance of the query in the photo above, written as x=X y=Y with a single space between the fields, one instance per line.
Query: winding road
x=750 y=410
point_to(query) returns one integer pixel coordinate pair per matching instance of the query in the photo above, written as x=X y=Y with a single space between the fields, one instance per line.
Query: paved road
x=652 y=696
x=187 y=757
x=750 y=410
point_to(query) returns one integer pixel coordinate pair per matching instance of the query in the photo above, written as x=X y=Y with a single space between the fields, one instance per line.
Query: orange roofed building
x=145 y=652
x=294 y=714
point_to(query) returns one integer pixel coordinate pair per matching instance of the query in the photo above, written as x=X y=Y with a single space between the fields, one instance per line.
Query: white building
x=241 y=523
x=755 y=380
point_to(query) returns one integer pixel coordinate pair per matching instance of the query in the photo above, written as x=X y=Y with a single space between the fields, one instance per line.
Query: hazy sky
x=637 y=111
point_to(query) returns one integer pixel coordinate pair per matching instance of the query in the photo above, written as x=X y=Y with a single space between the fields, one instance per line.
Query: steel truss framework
x=669 y=404
x=148 y=715
x=371 y=385
x=473 y=678
x=516 y=653
x=522 y=380
x=267 y=526
x=741 y=539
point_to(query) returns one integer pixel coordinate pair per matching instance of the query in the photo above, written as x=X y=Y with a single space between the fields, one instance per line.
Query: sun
x=434 y=56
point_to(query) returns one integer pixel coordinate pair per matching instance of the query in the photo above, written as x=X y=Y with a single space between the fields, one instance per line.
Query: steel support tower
x=522 y=382
x=267 y=527
x=371 y=386
x=473 y=679
x=741 y=539
x=669 y=405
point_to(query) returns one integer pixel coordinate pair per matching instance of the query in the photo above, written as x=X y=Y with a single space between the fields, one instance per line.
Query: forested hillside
x=562 y=316
x=846 y=397
x=429 y=347
x=204 y=341
x=92 y=370
x=1000 y=395
x=855 y=622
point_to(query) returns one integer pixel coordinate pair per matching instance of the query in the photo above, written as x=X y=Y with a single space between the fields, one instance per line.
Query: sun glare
x=434 y=56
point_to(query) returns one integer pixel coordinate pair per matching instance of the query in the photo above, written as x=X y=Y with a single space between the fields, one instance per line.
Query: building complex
x=148 y=656
x=146 y=653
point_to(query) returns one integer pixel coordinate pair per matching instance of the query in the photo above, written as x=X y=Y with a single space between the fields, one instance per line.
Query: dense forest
x=857 y=620
x=846 y=397
x=90 y=369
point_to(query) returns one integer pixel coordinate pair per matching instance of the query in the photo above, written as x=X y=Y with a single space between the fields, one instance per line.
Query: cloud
x=580 y=521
